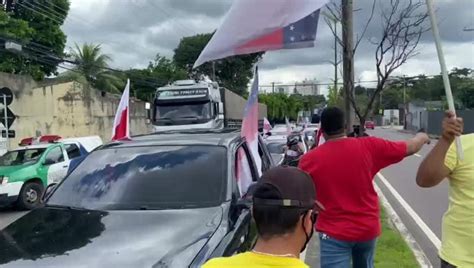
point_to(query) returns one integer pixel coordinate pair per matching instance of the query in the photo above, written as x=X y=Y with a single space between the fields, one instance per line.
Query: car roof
x=35 y=146
x=217 y=137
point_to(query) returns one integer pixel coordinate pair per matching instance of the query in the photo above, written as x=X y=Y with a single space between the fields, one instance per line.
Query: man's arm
x=433 y=170
x=415 y=144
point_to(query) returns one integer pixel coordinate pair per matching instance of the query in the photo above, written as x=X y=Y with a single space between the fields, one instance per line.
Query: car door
x=241 y=218
x=55 y=164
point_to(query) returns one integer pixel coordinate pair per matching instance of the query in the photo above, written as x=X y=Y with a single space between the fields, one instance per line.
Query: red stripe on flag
x=270 y=41
x=121 y=128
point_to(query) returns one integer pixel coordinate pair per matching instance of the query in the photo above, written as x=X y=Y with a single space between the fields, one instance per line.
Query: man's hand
x=452 y=127
x=432 y=170
x=423 y=137
x=416 y=143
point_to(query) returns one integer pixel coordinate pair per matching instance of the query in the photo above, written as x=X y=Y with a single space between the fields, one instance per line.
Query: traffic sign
x=6 y=91
x=10 y=117
x=11 y=133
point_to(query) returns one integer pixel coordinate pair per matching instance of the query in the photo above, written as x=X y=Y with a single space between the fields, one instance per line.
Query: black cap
x=295 y=188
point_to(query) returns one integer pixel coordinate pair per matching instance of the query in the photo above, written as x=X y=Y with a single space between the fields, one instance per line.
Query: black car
x=167 y=200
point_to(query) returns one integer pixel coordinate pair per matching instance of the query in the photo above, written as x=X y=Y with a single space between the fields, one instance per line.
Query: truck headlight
x=3 y=180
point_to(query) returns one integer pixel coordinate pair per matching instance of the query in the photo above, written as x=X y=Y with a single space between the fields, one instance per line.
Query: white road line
x=418 y=155
x=428 y=232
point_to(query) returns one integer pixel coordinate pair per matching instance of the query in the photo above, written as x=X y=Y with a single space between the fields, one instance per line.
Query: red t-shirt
x=343 y=171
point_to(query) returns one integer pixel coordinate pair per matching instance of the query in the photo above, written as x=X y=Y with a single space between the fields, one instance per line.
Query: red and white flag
x=260 y=25
x=250 y=133
x=267 y=127
x=121 y=128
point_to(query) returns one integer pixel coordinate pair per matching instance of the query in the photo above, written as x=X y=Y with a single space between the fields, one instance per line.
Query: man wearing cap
x=350 y=223
x=283 y=209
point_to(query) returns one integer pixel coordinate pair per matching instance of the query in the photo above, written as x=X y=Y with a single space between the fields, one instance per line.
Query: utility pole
x=335 y=55
x=273 y=87
x=214 y=71
x=348 y=60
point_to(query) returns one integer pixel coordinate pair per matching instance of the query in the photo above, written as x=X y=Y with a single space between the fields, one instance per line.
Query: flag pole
x=444 y=70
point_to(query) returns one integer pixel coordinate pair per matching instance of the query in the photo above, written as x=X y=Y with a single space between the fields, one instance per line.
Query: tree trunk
x=348 y=60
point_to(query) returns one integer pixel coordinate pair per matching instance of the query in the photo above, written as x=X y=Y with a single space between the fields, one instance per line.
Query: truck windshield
x=21 y=157
x=175 y=111
x=154 y=177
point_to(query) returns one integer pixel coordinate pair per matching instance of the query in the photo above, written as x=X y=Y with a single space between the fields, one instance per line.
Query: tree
x=45 y=41
x=335 y=97
x=402 y=28
x=160 y=72
x=233 y=73
x=93 y=66
x=280 y=105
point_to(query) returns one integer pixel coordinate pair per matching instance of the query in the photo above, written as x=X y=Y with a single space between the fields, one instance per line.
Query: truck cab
x=187 y=104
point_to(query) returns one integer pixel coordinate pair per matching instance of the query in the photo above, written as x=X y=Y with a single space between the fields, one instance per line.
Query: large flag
x=261 y=25
x=250 y=133
x=267 y=127
x=121 y=128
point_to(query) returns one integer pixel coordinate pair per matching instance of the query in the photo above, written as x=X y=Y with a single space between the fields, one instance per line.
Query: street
x=9 y=215
x=420 y=209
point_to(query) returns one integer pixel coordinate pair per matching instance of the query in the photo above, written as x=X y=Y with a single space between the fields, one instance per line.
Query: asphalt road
x=9 y=215
x=420 y=209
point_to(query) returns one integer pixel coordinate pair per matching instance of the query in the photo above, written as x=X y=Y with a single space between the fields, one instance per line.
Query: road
x=9 y=215
x=420 y=209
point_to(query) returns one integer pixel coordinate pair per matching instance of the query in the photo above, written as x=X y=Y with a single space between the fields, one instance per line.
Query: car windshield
x=155 y=177
x=21 y=157
x=276 y=147
x=200 y=110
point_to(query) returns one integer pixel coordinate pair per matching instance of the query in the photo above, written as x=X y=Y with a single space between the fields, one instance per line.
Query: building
x=307 y=88
x=64 y=108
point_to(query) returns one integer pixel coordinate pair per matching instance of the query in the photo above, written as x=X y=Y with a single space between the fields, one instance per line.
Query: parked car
x=369 y=124
x=159 y=200
x=26 y=171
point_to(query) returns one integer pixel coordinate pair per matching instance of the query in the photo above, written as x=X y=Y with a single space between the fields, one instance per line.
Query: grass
x=392 y=250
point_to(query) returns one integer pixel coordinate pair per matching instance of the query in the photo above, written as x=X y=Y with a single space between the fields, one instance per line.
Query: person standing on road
x=343 y=171
x=458 y=222
x=283 y=209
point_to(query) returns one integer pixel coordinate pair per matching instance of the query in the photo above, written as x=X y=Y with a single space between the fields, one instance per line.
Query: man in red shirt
x=343 y=170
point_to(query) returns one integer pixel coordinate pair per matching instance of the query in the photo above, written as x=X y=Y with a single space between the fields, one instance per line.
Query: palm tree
x=92 y=66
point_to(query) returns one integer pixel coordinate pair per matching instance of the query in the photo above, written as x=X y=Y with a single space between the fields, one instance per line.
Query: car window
x=276 y=147
x=21 y=157
x=154 y=177
x=266 y=165
x=54 y=156
x=243 y=168
x=72 y=151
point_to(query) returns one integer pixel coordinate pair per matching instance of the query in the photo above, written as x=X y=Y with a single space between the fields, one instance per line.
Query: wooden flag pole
x=444 y=70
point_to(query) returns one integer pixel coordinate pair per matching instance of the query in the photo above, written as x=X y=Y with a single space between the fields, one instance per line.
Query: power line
x=50 y=9
x=38 y=12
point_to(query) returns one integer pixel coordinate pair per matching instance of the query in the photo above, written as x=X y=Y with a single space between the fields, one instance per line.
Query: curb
x=420 y=256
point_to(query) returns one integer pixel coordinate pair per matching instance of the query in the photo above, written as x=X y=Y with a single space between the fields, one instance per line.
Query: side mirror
x=49 y=190
x=244 y=203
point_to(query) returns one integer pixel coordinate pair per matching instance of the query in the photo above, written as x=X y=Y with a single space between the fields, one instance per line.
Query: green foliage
x=281 y=105
x=92 y=65
x=160 y=72
x=335 y=98
x=233 y=73
x=40 y=34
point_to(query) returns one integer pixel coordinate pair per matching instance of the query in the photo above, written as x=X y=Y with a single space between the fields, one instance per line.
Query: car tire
x=30 y=195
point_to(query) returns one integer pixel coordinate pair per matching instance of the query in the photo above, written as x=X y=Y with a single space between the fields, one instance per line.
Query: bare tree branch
x=359 y=38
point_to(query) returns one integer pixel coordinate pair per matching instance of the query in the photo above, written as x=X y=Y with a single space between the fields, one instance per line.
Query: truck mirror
x=49 y=190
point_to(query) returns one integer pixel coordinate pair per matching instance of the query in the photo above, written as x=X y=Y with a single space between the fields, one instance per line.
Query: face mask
x=308 y=237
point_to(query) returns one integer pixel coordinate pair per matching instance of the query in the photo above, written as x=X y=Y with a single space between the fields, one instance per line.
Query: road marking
x=428 y=232
x=418 y=155
x=400 y=226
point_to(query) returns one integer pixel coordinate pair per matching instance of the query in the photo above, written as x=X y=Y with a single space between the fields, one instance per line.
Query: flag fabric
x=121 y=128
x=288 y=126
x=267 y=127
x=250 y=133
x=319 y=138
x=260 y=25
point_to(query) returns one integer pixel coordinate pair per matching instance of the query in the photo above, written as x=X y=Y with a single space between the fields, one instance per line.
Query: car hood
x=8 y=170
x=54 y=237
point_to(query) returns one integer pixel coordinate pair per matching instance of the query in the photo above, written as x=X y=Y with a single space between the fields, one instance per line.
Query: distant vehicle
x=187 y=104
x=167 y=200
x=26 y=171
x=369 y=124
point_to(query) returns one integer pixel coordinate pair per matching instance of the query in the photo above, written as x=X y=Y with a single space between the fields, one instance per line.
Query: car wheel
x=30 y=195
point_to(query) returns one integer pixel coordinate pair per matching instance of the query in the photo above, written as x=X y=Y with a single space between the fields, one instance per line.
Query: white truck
x=187 y=104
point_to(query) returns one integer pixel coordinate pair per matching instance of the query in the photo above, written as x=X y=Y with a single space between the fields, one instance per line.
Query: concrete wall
x=68 y=109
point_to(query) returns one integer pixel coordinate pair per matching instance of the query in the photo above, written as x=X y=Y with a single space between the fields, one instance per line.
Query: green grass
x=392 y=251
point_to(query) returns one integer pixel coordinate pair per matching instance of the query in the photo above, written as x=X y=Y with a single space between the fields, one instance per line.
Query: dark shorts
x=445 y=264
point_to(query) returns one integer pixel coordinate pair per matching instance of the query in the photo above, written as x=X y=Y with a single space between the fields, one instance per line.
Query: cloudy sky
x=134 y=31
